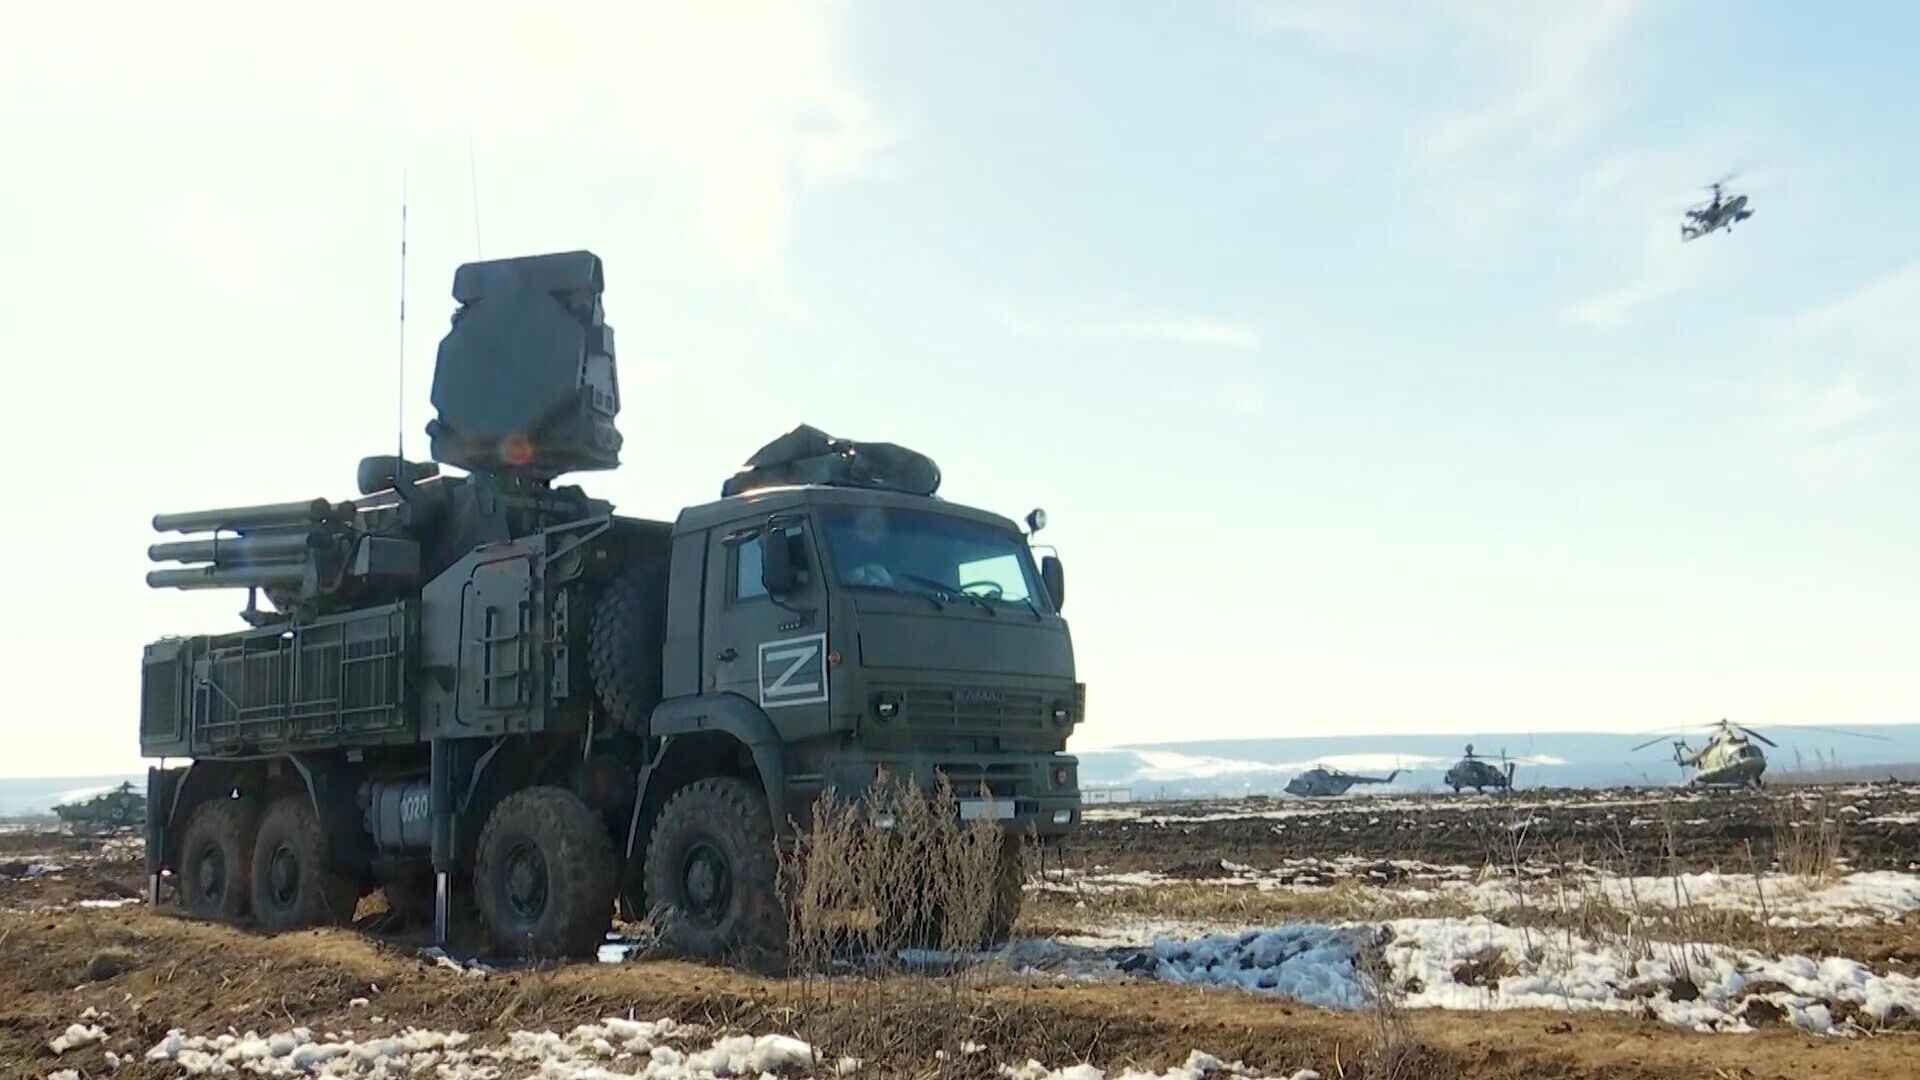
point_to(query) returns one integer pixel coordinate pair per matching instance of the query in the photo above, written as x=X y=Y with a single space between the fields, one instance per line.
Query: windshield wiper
x=935 y=600
x=951 y=592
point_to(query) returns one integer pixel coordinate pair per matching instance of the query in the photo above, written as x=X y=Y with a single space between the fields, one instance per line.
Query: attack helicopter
x=1719 y=212
x=1479 y=773
x=1322 y=781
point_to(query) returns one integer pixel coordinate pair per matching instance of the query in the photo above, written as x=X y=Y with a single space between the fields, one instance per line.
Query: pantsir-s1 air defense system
x=488 y=684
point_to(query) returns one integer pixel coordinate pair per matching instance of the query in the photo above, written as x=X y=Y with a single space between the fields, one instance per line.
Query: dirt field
x=1113 y=928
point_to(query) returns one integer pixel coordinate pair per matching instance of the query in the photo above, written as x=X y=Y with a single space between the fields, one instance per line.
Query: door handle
x=728 y=655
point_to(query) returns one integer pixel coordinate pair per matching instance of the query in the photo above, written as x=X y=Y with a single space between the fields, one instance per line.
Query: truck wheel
x=711 y=873
x=216 y=860
x=1009 y=874
x=623 y=653
x=294 y=880
x=545 y=874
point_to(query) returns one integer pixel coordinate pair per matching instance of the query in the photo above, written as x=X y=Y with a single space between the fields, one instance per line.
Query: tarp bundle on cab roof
x=807 y=455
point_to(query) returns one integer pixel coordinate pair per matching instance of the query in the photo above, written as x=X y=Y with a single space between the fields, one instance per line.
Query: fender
x=329 y=792
x=738 y=717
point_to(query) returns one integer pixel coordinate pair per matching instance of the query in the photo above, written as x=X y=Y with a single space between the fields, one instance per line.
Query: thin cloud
x=1214 y=333
x=1551 y=101
x=1341 y=27
x=1885 y=311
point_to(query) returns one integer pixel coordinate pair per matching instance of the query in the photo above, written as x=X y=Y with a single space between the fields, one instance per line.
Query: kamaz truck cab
x=883 y=634
x=490 y=684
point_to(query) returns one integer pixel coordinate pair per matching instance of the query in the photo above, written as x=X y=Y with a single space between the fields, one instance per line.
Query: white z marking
x=798 y=669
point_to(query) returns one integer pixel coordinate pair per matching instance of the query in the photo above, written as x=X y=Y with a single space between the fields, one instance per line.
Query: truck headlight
x=1063 y=817
x=886 y=706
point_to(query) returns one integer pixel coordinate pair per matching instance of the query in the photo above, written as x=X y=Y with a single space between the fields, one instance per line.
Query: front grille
x=972 y=708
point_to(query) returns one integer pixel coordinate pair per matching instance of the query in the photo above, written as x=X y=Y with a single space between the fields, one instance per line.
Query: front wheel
x=712 y=875
x=544 y=875
x=1009 y=876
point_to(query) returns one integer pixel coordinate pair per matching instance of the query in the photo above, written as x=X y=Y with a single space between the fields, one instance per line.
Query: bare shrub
x=890 y=898
x=1806 y=840
x=1391 y=1050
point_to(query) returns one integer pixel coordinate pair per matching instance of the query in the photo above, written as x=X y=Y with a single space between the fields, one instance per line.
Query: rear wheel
x=216 y=860
x=545 y=875
x=711 y=873
x=294 y=880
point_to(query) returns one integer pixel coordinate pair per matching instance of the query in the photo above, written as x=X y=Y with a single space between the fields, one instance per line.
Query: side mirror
x=1053 y=576
x=777 y=571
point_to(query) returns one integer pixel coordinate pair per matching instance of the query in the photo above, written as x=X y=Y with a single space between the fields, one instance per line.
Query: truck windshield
x=914 y=551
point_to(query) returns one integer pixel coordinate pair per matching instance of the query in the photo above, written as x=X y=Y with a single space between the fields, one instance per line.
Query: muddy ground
x=1627 y=830
x=74 y=936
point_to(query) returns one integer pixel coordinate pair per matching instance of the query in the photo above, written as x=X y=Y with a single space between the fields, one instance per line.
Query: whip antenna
x=400 y=378
x=473 y=184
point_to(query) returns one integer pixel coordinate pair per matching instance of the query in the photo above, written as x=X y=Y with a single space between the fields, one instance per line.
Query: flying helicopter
x=1729 y=758
x=1322 y=780
x=1479 y=773
x=1719 y=212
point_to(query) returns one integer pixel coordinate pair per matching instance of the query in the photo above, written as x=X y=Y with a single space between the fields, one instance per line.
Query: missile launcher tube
x=241 y=518
x=264 y=575
x=236 y=550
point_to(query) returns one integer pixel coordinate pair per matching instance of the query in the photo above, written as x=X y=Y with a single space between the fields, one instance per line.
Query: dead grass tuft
x=890 y=899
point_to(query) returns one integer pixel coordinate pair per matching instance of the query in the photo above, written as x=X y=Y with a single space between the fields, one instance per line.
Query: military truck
x=485 y=684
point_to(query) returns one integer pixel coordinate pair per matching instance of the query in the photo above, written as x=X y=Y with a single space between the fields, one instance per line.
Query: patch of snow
x=465 y=967
x=1198 y=1066
x=76 y=1037
x=1431 y=961
x=609 y=1050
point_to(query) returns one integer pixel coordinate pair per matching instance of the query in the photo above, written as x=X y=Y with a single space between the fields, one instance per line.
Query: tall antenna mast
x=400 y=384
x=473 y=183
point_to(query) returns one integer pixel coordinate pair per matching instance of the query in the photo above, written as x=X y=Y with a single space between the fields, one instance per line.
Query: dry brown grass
x=1806 y=838
x=1347 y=900
x=882 y=925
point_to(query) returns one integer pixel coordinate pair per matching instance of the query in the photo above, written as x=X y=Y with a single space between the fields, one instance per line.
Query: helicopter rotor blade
x=1754 y=734
x=1649 y=742
x=1843 y=731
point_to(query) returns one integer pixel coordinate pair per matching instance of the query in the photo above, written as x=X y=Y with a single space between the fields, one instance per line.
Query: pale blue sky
x=1350 y=347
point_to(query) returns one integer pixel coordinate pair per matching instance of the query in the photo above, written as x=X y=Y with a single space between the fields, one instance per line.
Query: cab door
x=770 y=650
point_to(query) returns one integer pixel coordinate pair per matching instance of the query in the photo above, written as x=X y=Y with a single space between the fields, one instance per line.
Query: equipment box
x=337 y=680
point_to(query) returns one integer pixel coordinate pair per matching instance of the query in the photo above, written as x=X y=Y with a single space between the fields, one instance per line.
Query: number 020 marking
x=793 y=671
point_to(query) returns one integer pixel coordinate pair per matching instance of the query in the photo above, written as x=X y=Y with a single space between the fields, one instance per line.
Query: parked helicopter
x=1719 y=212
x=1729 y=758
x=1322 y=780
x=1479 y=774
x=118 y=808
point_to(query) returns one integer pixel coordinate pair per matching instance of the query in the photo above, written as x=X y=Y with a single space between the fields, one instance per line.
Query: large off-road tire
x=624 y=646
x=1009 y=875
x=216 y=860
x=544 y=875
x=295 y=882
x=712 y=874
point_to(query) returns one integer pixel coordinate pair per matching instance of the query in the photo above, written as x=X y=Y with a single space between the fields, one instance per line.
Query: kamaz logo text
x=979 y=697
